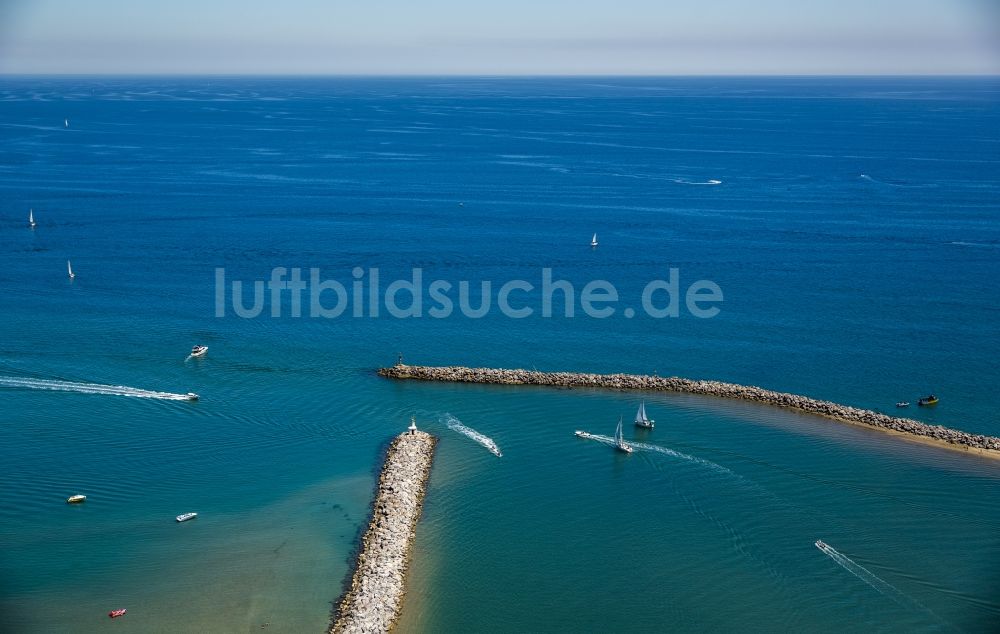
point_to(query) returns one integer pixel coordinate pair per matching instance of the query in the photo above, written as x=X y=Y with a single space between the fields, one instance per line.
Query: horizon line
x=506 y=75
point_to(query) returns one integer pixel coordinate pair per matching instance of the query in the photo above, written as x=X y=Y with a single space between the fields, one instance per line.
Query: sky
x=513 y=37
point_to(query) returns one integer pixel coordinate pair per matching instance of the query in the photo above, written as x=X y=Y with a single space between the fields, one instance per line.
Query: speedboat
x=199 y=351
x=821 y=544
x=191 y=396
x=116 y=613
x=903 y=404
x=183 y=517
x=76 y=499
x=928 y=400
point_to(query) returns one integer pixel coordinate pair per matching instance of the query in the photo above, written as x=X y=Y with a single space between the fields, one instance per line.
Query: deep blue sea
x=852 y=226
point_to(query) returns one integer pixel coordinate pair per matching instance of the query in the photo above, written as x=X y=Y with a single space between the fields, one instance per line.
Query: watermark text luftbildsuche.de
x=297 y=292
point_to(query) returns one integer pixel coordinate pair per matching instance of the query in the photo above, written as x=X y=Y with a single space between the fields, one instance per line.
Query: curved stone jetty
x=372 y=603
x=936 y=434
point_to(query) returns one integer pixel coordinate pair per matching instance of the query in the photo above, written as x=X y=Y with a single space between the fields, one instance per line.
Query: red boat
x=116 y=613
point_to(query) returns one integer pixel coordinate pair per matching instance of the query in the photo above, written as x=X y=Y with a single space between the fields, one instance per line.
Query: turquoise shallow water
x=853 y=232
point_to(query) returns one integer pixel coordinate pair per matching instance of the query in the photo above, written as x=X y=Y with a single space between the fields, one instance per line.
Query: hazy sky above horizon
x=513 y=37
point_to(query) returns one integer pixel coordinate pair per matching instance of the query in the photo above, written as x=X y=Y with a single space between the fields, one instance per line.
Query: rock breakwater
x=372 y=603
x=936 y=434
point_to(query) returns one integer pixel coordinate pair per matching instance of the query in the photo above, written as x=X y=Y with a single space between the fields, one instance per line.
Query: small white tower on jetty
x=413 y=425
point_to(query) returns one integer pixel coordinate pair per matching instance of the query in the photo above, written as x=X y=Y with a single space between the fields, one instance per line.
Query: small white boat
x=65 y=123
x=593 y=241
x=183 y=517
x=69 y=269
x=821 y=544
x=491 y=446
x=199 y=351
x=641 y=420
x=31 y=218
x=76 y=499
x=191 y=396
x=620 y=443
x=903 y=404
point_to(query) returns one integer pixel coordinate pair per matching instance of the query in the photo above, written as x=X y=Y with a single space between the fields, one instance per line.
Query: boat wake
x=684 y=181
x=642 y=446
x=881 y=585
x=859 y=571
x=456 y=425
x=88 y=388
x=987 y=245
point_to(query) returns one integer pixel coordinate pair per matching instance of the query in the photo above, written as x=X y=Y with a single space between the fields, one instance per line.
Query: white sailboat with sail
x=593 y=241
x=31 y=218
x=641 y=420
x=69 y=269
x=620 y=443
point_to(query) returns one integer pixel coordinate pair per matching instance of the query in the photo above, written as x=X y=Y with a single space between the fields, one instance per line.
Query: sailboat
x=65 y=123
x=593 y=241
x=69 y=269
x=31 y=218
x=641 y=420
x=620 y=444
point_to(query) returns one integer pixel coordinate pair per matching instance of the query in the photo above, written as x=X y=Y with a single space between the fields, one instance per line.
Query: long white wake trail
x=88 y=388
x=666 y=451
x=859 y=571
x=456 y=425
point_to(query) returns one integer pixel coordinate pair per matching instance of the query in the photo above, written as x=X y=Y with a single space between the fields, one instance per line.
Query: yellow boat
x=928 y=400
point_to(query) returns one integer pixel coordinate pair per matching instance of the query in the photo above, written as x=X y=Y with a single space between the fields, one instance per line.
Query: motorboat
x=821 y=544
x=116 y=613
x=183 y=517
x=903 y=404
x=198 y=351
x=491 y=446
x=191 y=396
x=76 y=499
x=928 y=400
